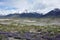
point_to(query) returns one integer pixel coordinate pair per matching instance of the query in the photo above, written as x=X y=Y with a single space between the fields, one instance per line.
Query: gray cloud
x=31 y=5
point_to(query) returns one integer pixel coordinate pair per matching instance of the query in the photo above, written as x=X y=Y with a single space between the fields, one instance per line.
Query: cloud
x=41 y=6
x=5 y=12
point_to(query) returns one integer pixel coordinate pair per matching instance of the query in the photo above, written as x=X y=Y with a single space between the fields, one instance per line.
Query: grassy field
x=49 y=27
x=29 y=28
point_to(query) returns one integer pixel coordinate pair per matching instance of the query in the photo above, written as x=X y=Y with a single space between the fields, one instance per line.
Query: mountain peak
x=56 y=9
x=53 y=13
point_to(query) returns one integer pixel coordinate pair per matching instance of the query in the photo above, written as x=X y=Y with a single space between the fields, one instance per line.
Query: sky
x=18 y=6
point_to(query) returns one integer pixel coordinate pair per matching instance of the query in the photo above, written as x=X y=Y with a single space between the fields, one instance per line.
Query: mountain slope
x=24 y=15
x=31 y=15
x=53 y=13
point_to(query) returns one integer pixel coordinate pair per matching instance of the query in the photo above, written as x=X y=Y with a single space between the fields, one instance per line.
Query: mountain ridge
x=53 y=13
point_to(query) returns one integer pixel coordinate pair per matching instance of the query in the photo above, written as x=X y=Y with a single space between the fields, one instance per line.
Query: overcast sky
x=41 y=6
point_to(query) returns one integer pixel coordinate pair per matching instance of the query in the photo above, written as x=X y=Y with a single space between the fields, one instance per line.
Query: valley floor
x=30 y=29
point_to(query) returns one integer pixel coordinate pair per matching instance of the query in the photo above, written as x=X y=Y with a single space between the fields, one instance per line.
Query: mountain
x=15 y=15
x=31 y=15
x=53 y=13
x=23 y=15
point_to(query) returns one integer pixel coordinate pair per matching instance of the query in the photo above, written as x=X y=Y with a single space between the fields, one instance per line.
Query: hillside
x=53 y=13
